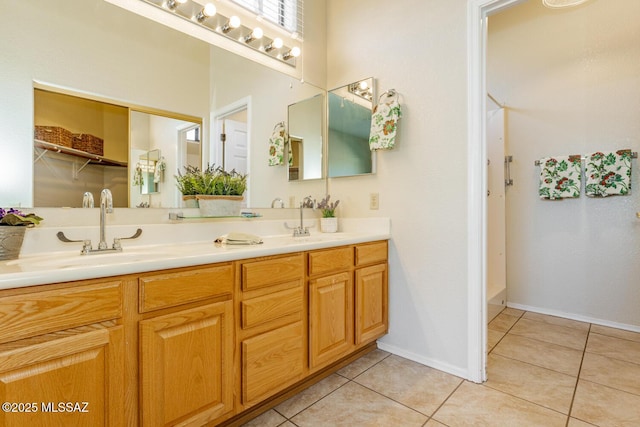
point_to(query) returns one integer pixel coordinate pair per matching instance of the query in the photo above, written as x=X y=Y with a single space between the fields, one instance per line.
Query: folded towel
x=236 y=238
x=276 y=145
x=384 y=123
x=608 y=173
x=560 y=177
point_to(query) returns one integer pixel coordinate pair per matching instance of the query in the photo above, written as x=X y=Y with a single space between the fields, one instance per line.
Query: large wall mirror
x=124 y=59
x=84 y=145
x=350 y=109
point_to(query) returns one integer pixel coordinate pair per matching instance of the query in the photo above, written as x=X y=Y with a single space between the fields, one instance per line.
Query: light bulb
x=293 y=53
x=172 y=4
x=207 y=11
x=234 y=22
x=256 y=34
x=363 y=85
x=277 y=43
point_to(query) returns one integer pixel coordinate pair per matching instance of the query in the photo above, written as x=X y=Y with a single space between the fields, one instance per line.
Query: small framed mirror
x=350 y=109
x=305 y=139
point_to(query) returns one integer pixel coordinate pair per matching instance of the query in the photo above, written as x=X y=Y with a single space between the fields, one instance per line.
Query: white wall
x=571 y=81
x=90 y=46
x=417 y=47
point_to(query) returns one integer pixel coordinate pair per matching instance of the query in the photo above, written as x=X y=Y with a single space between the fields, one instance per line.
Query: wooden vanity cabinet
x=271 y=326
x=371 y=292
x=347 y=300
x=62 y=355
x=186 y=346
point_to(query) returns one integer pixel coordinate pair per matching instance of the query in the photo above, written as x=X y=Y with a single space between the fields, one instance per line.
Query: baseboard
x=453 y=370
x=573 y=316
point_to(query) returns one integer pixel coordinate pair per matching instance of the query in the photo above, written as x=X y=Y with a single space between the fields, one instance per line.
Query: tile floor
x=543 y=371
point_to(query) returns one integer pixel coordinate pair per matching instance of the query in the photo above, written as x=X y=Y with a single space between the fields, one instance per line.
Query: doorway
x=479 y=11
x=230 y=141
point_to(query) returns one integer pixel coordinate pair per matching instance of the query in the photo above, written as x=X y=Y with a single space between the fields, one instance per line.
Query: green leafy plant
x=328 y=208
x=15 y=217
x=213 y=181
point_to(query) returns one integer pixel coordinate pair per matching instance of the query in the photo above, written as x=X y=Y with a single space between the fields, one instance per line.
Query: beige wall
x=419 y=48
x=571 y=83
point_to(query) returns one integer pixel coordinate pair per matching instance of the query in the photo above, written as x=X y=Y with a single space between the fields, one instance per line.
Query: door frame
x=217 y=116
x=477 y=13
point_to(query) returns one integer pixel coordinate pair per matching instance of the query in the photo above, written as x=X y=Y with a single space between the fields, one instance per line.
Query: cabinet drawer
x=271 y=362
x=269 y=272
x=371 y=253
x=39 y=313
x=171 y=289
x=256 y=311
x=325 y=261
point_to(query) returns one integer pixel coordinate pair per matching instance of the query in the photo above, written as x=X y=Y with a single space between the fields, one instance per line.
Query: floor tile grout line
x=537 y=366
x=314 y=402
x=445 y=401
x=575 y=389
x=393 y=400
x=332 y=391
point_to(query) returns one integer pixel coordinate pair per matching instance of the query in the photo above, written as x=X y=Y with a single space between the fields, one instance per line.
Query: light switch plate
x=374 y=201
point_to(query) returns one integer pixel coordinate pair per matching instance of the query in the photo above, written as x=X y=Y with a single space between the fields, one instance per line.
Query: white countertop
x=55 y=266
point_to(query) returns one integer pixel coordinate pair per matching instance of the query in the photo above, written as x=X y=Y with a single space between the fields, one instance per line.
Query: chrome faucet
x=106 y=206
x=277 y=200
x=301 y=230
x=87 y=200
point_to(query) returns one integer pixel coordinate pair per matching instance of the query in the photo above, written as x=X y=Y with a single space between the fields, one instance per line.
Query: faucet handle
x=116 y=241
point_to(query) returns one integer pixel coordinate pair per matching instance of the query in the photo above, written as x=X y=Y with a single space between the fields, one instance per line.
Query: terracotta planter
x=219 y=205
x=11 y=238
x=190 y=201
x=329 y=225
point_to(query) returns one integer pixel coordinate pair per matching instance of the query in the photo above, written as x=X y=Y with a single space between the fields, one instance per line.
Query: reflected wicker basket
x=54 y=135
x=88 y=143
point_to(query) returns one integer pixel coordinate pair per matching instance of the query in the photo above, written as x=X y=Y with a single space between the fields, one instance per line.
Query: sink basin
x=76 y=260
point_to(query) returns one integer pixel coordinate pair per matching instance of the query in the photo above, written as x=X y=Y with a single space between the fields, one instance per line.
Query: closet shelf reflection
x=91 y=158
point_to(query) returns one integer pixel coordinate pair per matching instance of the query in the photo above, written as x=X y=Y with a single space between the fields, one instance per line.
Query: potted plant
x=12 y=226
x=187 y=184
x=328 y=222
x=218 y=192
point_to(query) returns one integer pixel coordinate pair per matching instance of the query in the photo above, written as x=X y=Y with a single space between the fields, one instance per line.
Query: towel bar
x=634 y=155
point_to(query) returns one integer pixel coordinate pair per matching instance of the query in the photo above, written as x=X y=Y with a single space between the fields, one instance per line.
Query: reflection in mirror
x=305 y=139
x=148 y=172
x=350 y=109
x=240 y=84
x=117 y=71
x=80 y=146
x=168 y=144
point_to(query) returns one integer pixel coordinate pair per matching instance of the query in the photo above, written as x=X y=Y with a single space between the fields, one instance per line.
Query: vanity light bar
x=229 y=27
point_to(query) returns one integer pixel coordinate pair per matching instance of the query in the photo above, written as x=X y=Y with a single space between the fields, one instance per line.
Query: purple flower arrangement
x=328 y=208
x=14 y=216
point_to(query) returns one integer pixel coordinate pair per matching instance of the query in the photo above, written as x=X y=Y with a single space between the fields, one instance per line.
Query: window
x=285 y=13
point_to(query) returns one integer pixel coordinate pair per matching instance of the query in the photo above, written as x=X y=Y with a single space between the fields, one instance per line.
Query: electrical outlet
x=292 y=201
x=374 y=201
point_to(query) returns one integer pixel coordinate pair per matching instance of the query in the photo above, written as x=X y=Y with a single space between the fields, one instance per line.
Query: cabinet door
x=271 y=362
x=74 y=377
x=187 y=365
x=371 y=303
x=330 y=318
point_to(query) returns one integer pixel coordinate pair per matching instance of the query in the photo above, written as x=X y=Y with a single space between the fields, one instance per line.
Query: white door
x=235 y=146
x=496 y=216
